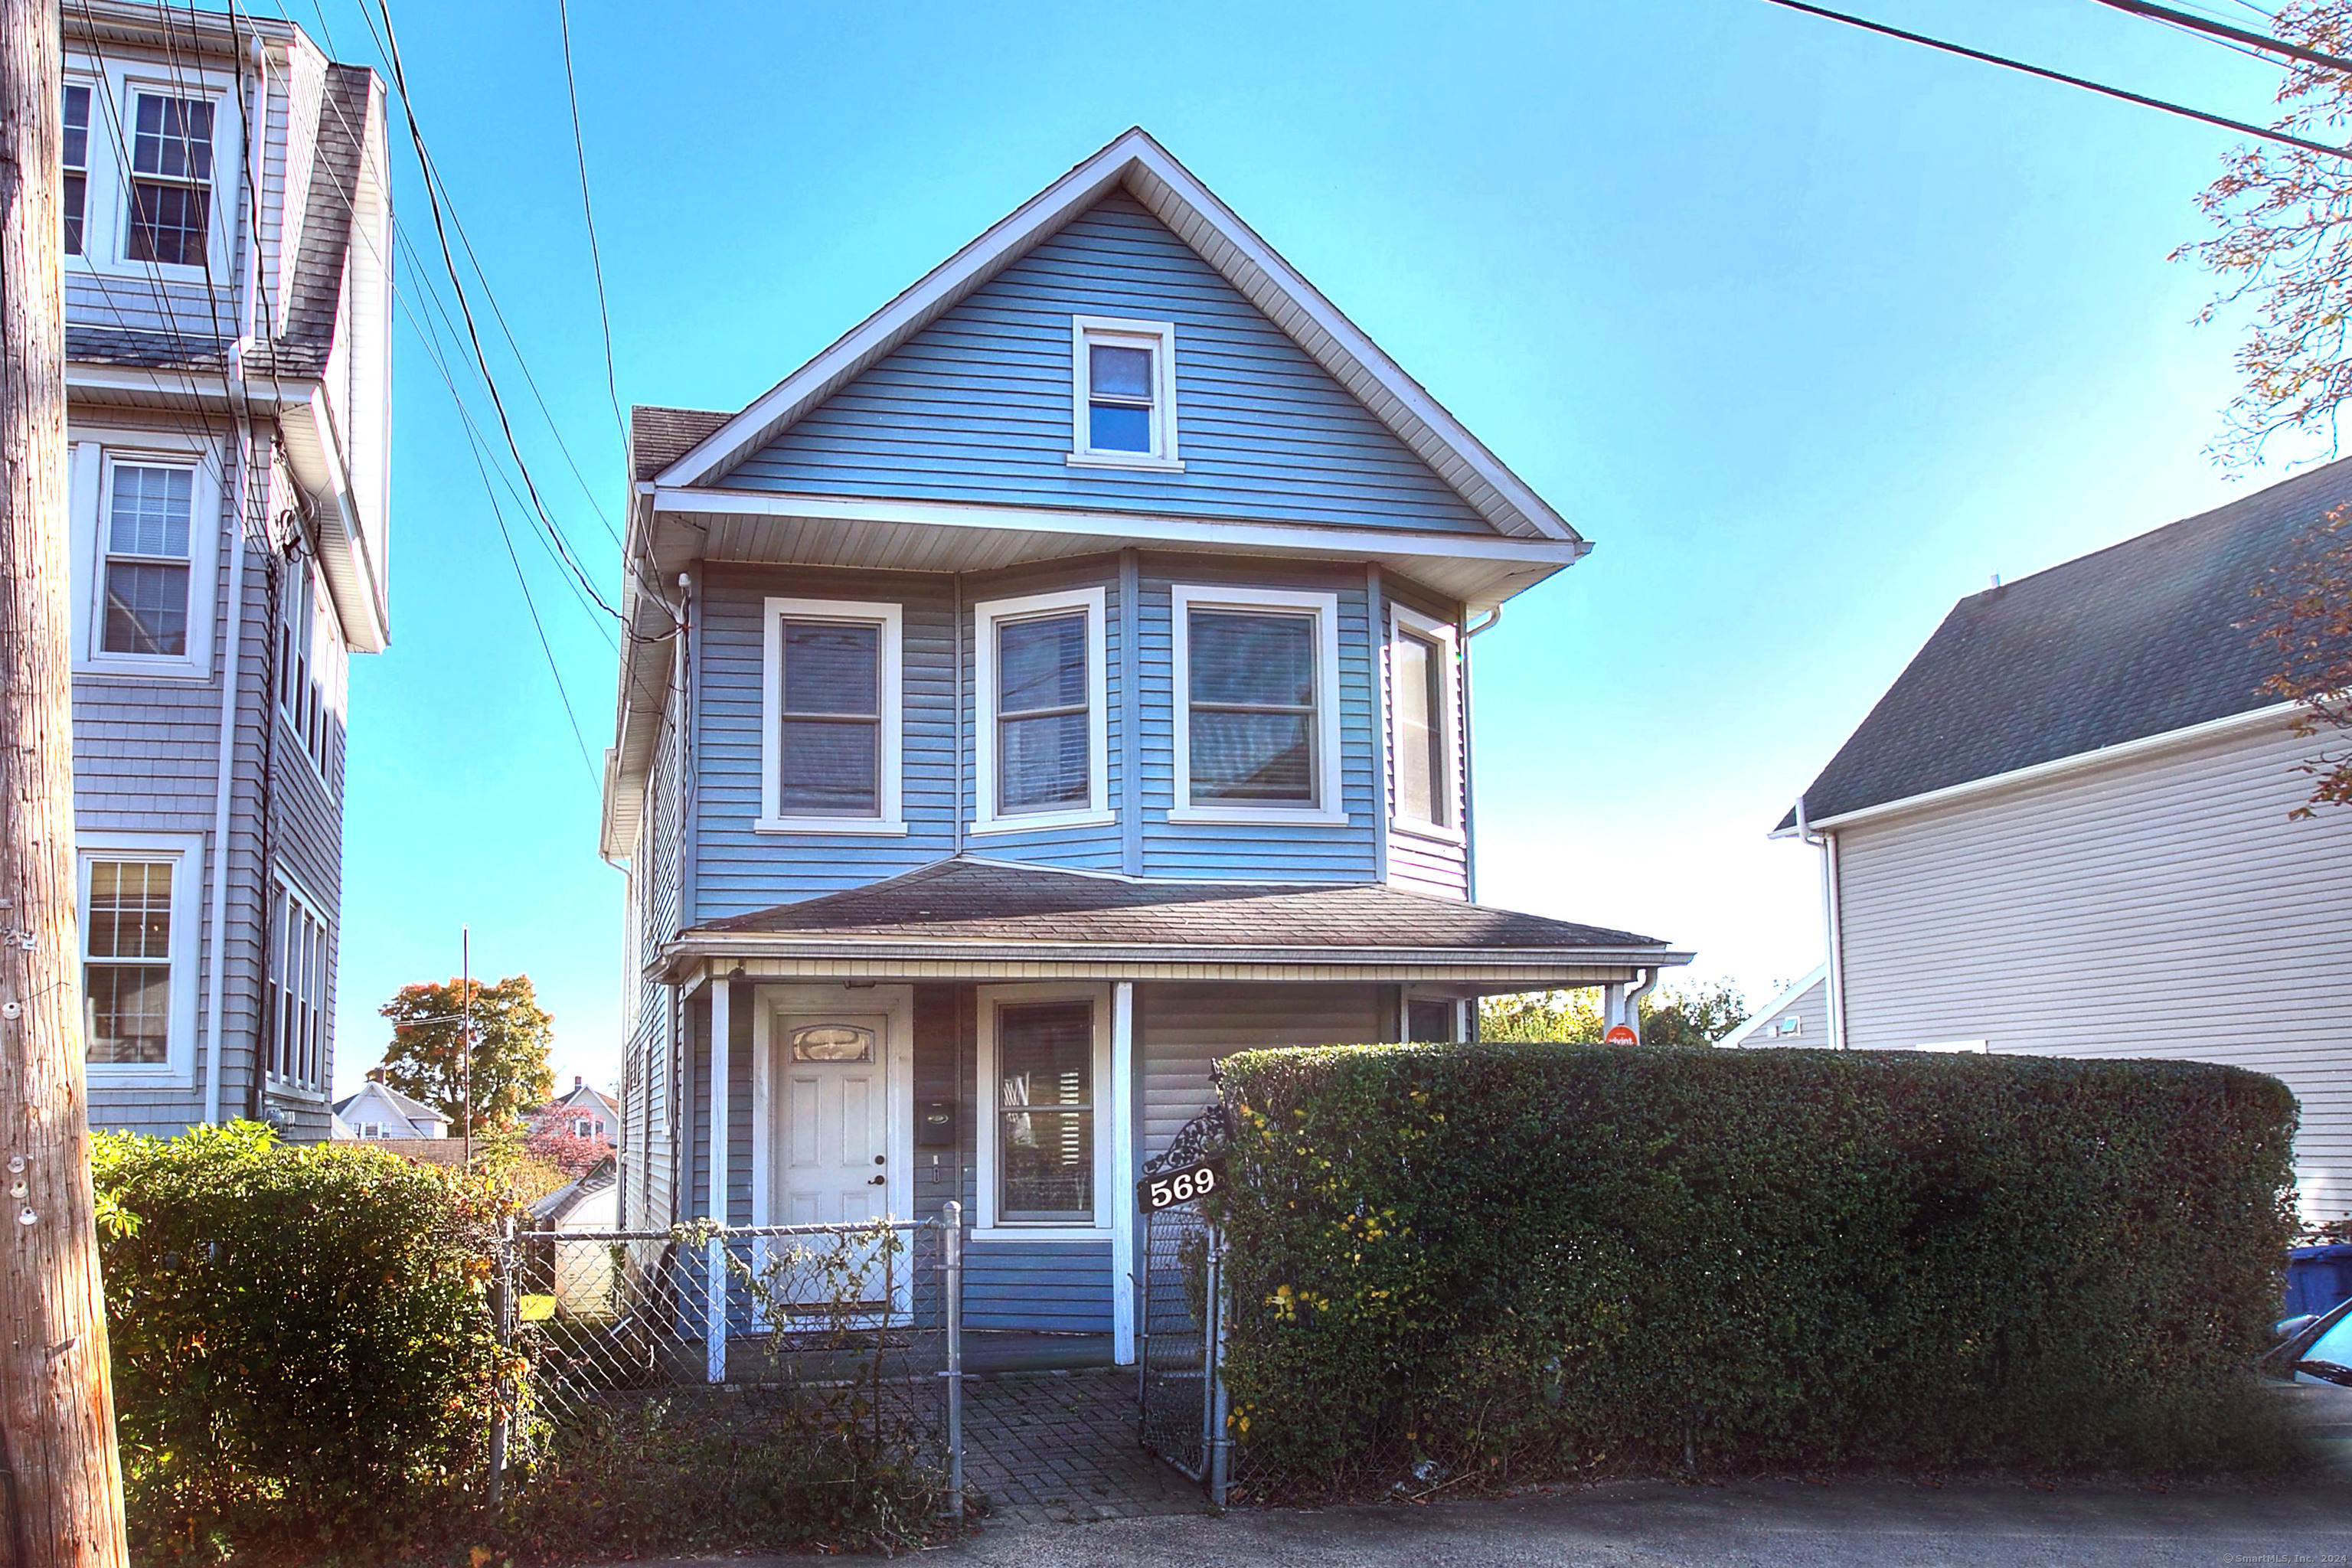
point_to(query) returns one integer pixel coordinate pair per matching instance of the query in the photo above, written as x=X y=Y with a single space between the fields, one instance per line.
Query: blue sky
x=1809 y=330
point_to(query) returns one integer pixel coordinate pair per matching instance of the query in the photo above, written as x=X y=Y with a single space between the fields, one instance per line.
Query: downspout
x=223 y=786
x=1469 y=763
x=1633 y=997
x=1833 y=923
x=955 y=637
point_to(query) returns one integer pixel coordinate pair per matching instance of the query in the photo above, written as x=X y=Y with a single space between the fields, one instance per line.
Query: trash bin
x=2318 y=1277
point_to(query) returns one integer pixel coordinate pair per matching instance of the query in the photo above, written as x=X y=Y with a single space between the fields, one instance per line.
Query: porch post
x=722 y=1033
x=1121 y=1198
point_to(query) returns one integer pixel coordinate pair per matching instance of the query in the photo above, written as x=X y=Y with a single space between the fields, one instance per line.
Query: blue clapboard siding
x=976 y=406
x=1050 y=1287
x=739 y=1111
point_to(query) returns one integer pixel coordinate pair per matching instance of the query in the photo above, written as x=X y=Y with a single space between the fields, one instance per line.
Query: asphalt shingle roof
x=982 y=901
x=660 y=437
x=414 y=1109
x=2139 y=640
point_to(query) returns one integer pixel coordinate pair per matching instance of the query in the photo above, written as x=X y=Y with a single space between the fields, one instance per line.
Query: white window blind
x=1042 y=751
x=830 y=743
x=1045 y=1120
x=1253 y=716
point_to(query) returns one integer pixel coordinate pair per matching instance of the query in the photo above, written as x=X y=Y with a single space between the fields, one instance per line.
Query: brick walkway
x=1055 y=1446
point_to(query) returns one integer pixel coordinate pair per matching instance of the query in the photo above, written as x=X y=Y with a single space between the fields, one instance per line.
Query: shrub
x=1505 y=1259
x=302 y=1347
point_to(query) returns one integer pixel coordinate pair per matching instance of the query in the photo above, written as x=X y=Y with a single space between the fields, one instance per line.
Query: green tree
x=426 y=1057
x=1673 y=1017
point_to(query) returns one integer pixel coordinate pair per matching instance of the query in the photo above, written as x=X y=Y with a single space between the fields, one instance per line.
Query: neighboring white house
x=2068 y=829
x=1798 y=1016
x=379 y=1111
x=583 y=1112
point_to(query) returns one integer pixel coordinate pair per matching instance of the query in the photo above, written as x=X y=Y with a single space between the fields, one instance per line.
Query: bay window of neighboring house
x=830 y=708
x=1044 y=1067
x=1424 y=708
x=1042 y=709
x=310 y=665
x=139 y=905
x=1257 y=723
x=300 y=957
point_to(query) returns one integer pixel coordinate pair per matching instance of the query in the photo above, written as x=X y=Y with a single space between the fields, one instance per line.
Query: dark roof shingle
x=660 y=437
x=982 y=901
x=2139 y=640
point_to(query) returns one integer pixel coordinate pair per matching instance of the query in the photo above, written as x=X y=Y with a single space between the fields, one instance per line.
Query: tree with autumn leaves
x=427 y=1057
x=2283 y=248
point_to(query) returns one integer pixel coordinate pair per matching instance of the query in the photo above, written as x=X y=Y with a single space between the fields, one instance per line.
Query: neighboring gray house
x=226 y=226
x=2066 y=829
x=583 y=1112
x=1055 y=684
x=377 y=1110
x=1798 y=1016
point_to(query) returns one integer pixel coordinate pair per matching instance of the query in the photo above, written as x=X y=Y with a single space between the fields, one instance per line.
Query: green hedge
x=301 y=1343
x=1522 y=1258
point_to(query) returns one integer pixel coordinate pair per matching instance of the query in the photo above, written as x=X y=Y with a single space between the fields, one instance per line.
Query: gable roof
x=2137 y=640
x=1791 y=995
x=601 y=1100
x=1197 y=217
x=401 y=1104
x=975 y=906
x=660 y=437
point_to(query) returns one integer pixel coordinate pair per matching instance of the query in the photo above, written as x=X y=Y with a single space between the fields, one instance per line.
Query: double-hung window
x=1043 y=711
x=139 y=903
x=1123 y=392
x=148 y=522
x=74 y=199
x=171 y=178
x=1257 y=723
x=1424 y=708
x=299 y=959
x=583 y=1127
x=831 y=709
x=1045 y=1133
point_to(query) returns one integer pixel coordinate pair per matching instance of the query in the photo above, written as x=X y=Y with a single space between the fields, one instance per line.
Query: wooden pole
x=56 y=1403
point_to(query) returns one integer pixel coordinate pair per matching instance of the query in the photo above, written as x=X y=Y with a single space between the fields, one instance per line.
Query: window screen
x=1252 y=696
x=171 y=178
x=1042 y=722
x=1045 y=1153
x=1428 y=1022
x=1417 y=695
x=127 y=962
x=830 y=754
x=149 y=514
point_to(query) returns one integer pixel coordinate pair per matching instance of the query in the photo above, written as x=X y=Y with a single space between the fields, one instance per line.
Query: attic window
x=1123 y=394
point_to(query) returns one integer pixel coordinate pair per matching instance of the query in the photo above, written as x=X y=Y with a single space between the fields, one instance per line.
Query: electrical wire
x=588 y=214
x=2241 y=127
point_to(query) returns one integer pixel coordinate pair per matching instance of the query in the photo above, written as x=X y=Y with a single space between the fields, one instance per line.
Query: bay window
x=831 y=717
x=1042 y=709
x=1257 y=732
x=1425 y=704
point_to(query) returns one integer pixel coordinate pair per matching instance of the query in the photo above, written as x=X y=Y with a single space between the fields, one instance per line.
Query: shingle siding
x=976 y=406
x=2160 y=907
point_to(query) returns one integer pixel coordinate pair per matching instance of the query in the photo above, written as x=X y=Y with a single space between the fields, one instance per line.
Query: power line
x=2223 y=121
x=2243 y=36
x=588 y=212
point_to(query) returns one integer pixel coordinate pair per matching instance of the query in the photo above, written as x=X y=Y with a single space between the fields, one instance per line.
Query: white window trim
x=1097 y=812
x=1410 y=994
x=1159 y=337
x=1108 y=1191
x=279 y=1086
x=187 y=851
x=889 y=616
x=1955 y=1047
x=1449 y=723
x=106 y=190
x=92 y=458
x=1183 y=599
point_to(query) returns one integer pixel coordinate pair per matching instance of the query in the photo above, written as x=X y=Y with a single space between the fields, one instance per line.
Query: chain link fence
x=1180 y=1407
x=853 y=1327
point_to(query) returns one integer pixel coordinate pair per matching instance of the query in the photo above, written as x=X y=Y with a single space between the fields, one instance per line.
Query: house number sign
x=1170 y=1188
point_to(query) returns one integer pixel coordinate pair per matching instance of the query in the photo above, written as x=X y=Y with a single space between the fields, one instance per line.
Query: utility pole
x=466 y=1041
x=64 y=1478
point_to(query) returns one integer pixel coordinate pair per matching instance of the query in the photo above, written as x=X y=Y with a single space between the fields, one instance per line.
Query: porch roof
x=968 y=917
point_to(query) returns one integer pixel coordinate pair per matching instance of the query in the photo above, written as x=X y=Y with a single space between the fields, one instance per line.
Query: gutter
x=1833 y=923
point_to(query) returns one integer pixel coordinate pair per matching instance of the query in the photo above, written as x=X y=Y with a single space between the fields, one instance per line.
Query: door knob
x=877 y=1182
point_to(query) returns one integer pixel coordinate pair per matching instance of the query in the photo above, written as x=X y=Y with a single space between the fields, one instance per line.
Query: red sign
x=1620 y=1035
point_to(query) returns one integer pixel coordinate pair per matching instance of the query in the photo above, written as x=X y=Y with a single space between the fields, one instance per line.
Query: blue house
x=1056 y=684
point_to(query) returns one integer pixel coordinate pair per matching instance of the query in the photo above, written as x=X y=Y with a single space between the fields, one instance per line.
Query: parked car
x=2313 y=1348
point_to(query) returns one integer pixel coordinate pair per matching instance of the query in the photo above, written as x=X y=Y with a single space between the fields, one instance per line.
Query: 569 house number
x=1172 y=1187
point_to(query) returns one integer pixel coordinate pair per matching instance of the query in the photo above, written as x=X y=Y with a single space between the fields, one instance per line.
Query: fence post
x=502 y=1311
x=714 y=1325
x=1213 y=1355
x=951 y=1289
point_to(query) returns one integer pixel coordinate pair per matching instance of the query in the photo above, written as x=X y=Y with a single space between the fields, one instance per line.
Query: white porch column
x=715 y=1328
x=1613 y=1006
x=1122 y=1164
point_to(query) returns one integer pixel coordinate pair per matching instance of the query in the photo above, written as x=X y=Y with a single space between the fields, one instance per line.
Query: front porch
x=1020 y=1040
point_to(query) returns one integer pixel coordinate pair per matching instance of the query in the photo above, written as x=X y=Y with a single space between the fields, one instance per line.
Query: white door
x=833 y=1132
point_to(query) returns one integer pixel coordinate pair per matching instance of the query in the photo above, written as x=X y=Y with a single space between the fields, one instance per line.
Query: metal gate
x=1179 y=1321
